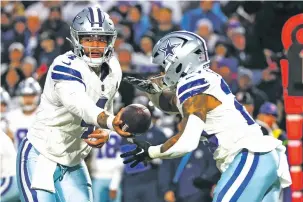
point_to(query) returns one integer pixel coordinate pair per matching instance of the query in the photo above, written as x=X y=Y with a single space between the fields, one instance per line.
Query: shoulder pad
x=191 y=85
x=115 y=66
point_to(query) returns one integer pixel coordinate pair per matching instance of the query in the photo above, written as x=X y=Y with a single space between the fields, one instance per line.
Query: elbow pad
x=188 y=141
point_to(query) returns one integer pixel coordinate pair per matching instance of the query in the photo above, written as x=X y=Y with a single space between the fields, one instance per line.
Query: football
x=136 y=119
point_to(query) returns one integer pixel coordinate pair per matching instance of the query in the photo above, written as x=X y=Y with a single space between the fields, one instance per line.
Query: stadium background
x=243 y=38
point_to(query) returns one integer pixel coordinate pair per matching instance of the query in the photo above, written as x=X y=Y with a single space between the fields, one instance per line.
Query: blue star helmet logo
x=168 y=49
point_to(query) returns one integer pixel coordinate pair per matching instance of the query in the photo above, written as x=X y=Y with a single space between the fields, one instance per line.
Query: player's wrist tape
x=154 y=151
x=188 y=141
x=109 y=122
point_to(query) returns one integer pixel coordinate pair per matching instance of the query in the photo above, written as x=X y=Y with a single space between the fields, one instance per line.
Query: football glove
x=144 y=85
x=140 y=154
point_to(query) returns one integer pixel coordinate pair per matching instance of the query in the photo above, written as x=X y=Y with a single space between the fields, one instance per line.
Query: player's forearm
x=165 y=101
x=184 y=142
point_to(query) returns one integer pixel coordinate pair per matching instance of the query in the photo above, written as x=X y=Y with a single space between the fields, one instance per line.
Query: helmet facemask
x=94 y=56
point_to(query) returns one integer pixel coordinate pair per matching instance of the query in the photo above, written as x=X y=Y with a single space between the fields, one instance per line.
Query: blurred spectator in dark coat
x=144 y=179
x=245 y=85
x=49 y=51
x=206 y=31
x=19 y=29
x=124 y=55
x=7 y=34
x=165 y=24
x=29 y=65
x=208 y=9
x=154 y=12
x=140 y=23
x=16 y=53
x=247 y=101
x=190 y=178
x=32 y=34
x=143 y=59
x=60 y=28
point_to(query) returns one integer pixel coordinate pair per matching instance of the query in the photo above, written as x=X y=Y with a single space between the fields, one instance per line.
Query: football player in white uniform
x=253 y=166
x=5 y=101
x=106 y=170
x=20 y=119
x=77 y=97
x=8 y=188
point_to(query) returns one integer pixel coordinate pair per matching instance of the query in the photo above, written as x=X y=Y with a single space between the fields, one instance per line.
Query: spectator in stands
x=142 y=59
x=165 y=24
x=190 y=178
x=122 y=7
x=208 y=9
x=29 y=65
x=228 y=72
x=15 y=54
x=19 y=29
x=49 y=51
x=7 y=34
x=154 y=12
x=245 y=85
x=144 y=179
x=140 y=23
x=32 y=34
x=205 y=30
x=60 y=28
x=267 y=119
x=11 y=79
x=247 y=101
x=124 y=55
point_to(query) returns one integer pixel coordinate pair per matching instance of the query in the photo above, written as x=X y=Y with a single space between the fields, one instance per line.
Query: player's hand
x=97 y=138
x=144 y=85
x=140 y=154
x=112 y=194
x=117 y=123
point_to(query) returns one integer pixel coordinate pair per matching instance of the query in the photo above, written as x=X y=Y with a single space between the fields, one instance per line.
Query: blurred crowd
x=244 y=44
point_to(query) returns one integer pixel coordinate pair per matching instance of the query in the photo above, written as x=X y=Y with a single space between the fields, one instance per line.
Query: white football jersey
x=229 y=127
x=18 y=124
x=7 y=156
x=106 y=162
x=73 y=97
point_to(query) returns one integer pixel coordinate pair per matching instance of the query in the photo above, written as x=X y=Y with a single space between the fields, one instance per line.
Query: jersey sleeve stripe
x=191 y=84
x=57 y=76
x=193 y=92
x=68 y=70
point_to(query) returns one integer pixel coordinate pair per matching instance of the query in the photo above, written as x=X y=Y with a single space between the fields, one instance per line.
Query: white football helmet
x=92 y=21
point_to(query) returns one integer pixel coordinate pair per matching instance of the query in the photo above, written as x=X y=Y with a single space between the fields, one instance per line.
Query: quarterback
x=77 y=97
x=254 y=167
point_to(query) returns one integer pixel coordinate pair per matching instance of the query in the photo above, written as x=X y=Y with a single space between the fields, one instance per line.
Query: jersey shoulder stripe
x=190 y=86
x=67 y=70
x=57 y=76
x=192 y=93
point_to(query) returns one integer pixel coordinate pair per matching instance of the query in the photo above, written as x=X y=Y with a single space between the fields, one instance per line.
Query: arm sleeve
x=74 y=98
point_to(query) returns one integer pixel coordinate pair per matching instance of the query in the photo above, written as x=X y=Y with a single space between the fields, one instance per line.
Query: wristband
x=109 y=122
x=154 y=151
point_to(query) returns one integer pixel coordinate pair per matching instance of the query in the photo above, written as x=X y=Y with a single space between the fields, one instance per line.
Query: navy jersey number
x=111 y=147
x=90 y=128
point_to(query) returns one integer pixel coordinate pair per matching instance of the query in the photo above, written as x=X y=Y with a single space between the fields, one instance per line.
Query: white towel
x=43 y=175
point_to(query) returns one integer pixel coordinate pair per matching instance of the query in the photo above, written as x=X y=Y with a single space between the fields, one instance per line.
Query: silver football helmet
x=29 y=87
x=178 y=54
x=92 y=21
x=4 y=96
